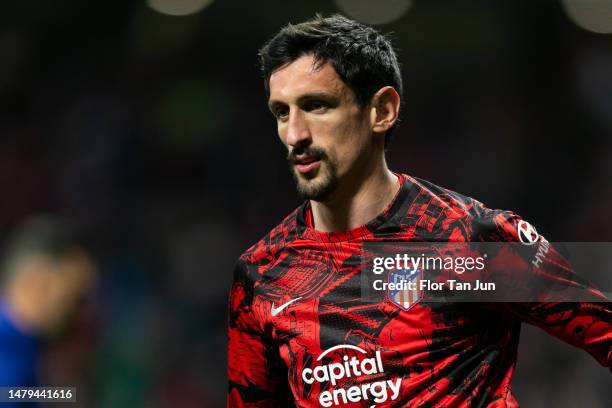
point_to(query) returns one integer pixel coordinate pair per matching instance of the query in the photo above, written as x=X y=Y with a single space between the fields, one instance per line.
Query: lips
x=307 y=166
x=306 y=163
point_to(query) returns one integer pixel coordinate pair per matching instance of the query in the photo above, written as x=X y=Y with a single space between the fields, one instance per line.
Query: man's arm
x=257 y=377
x=584 y=324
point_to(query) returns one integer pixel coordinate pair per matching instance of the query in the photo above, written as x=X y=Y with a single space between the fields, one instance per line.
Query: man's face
x=326 y=132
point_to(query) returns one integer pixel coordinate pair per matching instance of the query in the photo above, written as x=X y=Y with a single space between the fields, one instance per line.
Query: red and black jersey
x=301 y=335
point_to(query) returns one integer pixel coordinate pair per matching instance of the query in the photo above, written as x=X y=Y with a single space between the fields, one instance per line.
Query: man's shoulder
x=272 y=243
x=439 y=210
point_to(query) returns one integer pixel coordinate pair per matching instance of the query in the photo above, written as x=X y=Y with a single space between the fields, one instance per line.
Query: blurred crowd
x=149 y=135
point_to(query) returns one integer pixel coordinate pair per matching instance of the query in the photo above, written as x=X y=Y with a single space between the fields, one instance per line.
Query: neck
x=355 y=203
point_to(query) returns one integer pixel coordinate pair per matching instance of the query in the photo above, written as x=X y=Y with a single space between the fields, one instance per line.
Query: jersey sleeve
x=584 y=324
x=255 y=370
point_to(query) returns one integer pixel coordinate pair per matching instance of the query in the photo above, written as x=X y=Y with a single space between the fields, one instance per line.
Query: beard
x=319 y=185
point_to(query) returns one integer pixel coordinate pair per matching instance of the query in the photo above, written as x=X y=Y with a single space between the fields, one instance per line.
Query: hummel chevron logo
x=279 y=309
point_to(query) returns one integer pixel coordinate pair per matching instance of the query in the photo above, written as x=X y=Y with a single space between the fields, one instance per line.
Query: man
x=45 y=275
x=299 y=332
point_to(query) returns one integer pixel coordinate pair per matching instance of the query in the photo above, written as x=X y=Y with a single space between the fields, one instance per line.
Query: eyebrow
x=273 y=104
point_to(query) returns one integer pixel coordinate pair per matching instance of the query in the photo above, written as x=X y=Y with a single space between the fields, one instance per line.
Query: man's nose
x=297 y=129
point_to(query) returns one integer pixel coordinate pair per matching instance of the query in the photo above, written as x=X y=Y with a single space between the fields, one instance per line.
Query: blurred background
x=145 y=124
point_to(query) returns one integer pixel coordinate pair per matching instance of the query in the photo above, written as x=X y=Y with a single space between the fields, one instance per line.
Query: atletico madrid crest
x=405 y=287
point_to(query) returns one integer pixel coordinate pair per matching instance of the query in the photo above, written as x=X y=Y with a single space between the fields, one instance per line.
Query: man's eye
x=315 y=106
x=281 y=113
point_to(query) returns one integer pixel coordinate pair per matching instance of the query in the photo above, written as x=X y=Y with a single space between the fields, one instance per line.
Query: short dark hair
x=42 y=235
x=363 y=58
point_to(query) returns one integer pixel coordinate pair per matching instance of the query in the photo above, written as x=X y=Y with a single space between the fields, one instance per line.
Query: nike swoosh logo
x=279 y=309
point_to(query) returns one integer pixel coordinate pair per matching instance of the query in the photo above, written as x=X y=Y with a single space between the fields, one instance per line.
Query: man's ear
x=385 y=109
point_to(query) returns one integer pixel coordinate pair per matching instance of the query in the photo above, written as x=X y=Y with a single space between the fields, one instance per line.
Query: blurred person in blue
x=46 y=273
